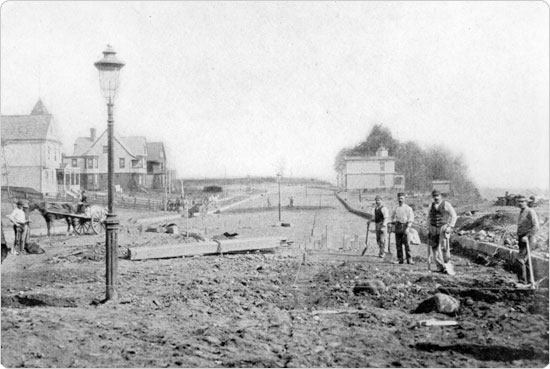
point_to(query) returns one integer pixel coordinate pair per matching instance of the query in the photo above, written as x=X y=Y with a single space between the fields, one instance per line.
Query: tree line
x=420 y=166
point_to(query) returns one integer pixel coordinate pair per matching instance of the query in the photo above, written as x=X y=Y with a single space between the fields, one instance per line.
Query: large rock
x=440 y=303
x=372 y=286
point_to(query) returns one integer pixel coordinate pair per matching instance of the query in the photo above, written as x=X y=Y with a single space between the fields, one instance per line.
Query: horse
x=45 y=209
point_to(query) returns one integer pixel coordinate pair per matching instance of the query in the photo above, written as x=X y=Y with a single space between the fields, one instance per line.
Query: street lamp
x=279 y=175
x=109 y=69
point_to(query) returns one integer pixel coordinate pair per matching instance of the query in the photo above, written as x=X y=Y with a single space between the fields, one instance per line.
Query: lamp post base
x=111 y=256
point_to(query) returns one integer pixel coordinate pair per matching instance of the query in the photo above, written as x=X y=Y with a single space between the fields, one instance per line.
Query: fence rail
x=120 y=201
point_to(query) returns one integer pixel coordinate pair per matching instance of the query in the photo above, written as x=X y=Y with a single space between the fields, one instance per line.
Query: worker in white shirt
x=402 y=218
x=20 y=227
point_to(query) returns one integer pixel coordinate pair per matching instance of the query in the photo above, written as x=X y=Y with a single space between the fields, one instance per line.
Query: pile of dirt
x=494 y=222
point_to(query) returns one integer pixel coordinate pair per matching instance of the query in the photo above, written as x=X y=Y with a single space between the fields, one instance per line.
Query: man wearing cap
x=532 y=201
x=19 y=220
x=528 y=226
x=381 y=218
x=402 y=218
x=442 y=218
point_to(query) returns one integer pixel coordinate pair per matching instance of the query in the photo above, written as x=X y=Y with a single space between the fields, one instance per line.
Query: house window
x=382 y=180
x=105 y=149
x=90 y=163
x=136 y=163
x=55 y=154
x=49 y=152
x=96 y=162
x=73 y=163
x=382 y=165
x=121 y=163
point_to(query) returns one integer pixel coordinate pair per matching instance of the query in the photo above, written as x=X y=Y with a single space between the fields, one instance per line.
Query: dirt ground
x=284 y=308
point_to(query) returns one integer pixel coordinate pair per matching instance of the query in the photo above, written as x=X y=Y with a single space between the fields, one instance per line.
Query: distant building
x=138 y=164
x=370 y=172
x=442 y=186
x=31 y=151
x=156 y=165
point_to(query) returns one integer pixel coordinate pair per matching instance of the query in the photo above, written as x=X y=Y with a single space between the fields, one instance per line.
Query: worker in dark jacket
x=528 y=226
x=442 y=219
x=381 y=219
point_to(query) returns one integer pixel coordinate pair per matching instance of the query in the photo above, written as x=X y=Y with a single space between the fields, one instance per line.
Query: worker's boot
x=410 y=261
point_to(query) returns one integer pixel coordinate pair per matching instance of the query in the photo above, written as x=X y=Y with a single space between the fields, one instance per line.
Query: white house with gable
x=370 y=172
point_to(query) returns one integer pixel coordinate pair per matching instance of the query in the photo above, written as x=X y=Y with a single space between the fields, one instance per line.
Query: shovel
x=366 y=240
x=449 y=268
x=429 y=257
x=388 y=257
x=531 y=276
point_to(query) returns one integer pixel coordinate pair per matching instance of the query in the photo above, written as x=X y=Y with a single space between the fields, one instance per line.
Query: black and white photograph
x=269 y=184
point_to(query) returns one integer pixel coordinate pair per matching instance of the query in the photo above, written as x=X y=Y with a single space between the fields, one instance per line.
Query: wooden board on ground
x=203 y=248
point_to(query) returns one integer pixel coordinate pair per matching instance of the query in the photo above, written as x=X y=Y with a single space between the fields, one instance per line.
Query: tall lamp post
x=279 y=175
x=109 y=69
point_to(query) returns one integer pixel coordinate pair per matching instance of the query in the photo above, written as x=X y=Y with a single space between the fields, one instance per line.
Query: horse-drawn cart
x=83 y=223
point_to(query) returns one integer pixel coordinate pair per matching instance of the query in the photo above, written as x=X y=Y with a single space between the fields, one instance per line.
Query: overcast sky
x=244 y=87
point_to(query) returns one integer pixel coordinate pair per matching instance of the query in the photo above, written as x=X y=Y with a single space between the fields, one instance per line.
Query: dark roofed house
x=156 y=165
x=90 y=155
x=31 y=151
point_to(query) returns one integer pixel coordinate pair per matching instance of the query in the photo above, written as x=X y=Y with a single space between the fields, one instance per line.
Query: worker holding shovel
x=528 y=226
x=381 y=219
x=442 y=218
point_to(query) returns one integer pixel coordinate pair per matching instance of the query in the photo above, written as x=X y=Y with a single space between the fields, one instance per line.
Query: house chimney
x=92 y=134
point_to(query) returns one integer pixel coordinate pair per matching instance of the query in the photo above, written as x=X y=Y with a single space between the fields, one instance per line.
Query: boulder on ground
x=34 y=248
x=371 y=286
x=440 y=303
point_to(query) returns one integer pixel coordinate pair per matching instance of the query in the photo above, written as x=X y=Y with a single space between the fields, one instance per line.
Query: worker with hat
x=402 y=218
x=381 y=219
x=528 y=226
x=19 y=220
x=442 y=218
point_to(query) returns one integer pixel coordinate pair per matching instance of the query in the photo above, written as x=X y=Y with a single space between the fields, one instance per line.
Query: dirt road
x=260 y=309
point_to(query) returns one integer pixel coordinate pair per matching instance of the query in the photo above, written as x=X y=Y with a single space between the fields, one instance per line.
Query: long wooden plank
x=203 y=248
x=173 y=250
x=249 y=244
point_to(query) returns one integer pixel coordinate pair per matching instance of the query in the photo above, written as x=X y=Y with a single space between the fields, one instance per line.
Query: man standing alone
x=402 y=217
x=19 y=220
x=528 y=225
x=442 y=218
x=381 y=217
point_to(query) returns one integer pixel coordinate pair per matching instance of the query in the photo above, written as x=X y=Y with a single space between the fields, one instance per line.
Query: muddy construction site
x=307 y=303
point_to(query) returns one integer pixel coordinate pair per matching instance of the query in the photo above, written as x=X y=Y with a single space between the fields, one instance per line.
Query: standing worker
x=402 y=217
x=381 y=218
x=442 y=217
x=19 y=220
x=528 y=226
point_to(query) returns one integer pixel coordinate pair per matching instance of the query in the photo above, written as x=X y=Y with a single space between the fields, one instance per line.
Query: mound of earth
x=491 y=222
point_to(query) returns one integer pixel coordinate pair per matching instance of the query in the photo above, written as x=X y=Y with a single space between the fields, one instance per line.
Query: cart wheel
x=97 y=225
x=80 y=226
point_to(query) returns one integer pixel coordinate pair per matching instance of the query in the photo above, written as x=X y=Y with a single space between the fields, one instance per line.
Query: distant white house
x=370 y=172
x=31 y=151
x=442 y=186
